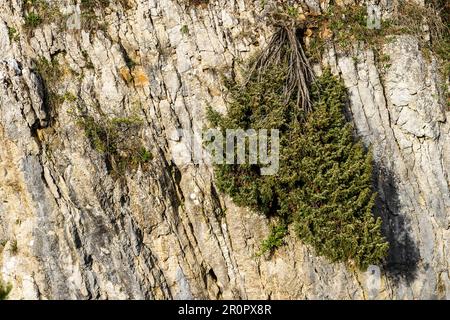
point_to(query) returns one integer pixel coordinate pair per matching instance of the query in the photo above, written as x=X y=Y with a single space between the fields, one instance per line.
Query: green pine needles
x=334 y=198
x=324 y=183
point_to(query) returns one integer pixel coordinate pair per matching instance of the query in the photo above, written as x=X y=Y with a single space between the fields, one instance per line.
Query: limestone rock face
x=71 y=230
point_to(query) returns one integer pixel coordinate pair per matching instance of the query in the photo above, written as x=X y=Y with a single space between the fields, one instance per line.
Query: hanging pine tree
x=324 y=182
x=333 y=206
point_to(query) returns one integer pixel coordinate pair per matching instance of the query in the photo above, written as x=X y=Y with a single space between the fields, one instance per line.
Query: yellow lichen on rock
x=140 y=77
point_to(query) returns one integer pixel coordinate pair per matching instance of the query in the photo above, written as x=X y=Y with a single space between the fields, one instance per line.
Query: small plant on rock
x=275 y=239
x=5 y=290
x=13 y=247
x=32 y=20
x=13 y=34
x=117 y=140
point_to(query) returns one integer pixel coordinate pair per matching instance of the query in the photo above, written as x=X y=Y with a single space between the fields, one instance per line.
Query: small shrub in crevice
x=89 y=19
x=32 y=20
x=51 y=73
x=5 y=290
x=275 y=239
x=118 y=141
x=38 y=12
x=184 y=30
x=92 y=11
x=13 y=247
x=13 y=34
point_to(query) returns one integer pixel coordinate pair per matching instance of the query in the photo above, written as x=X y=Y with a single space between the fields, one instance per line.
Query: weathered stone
x=165 y=232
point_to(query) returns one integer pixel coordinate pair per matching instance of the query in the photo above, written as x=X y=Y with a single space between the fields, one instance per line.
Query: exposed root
x=286 y=46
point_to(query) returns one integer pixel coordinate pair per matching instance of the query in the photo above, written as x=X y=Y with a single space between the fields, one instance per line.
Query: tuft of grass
x=3 y=243
x=92 y=12
x=292 y=11
x=69 y=96
x=144 y=155
x=5 y=290
x=13 y=247
x=32 y=20
x=39 y=12
x=184 y=30
x=89 y=18
x=274 y=240
x=13 y=34
x=51 y=73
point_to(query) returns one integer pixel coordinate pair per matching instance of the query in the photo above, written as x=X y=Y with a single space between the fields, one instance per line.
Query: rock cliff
x=72 y=230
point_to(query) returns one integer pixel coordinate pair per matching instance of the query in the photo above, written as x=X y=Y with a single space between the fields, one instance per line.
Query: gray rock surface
x=165 y=232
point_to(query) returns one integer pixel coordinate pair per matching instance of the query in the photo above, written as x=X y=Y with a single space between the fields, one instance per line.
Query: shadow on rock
x=403 y=257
